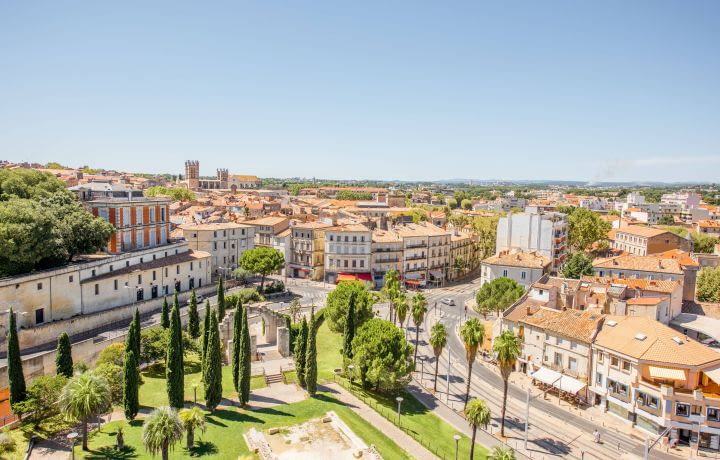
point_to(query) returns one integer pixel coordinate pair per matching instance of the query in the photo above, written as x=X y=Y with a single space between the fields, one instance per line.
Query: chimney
x=527 y=311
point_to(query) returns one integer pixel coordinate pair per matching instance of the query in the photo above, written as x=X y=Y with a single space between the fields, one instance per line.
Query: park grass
x=417 y=420
x=153 y=391
x=223 y=439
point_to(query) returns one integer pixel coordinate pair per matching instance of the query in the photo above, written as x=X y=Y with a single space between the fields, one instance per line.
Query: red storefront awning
x=354 y=277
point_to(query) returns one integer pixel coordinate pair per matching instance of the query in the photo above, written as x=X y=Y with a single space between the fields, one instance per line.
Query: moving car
x=448 y=301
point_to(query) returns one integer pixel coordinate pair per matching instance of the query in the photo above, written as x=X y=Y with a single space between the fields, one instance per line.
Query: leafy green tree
x=452 y=203
x=174 y=372
x=131 y=401
x=466 y=204
x=300 y=349
x=311 y=358
x=16 y=377
x=245 y=361
x=501 y=453
x=477 y=413
x=438 y=341
x=708 y=285
x=419 y=309
x=165 y=314
x=586 y=227
x=192 y=420
x=193 y=317
x=339 y=299
x=84 y=396
x=498 y=295
x=162 y=429
x=704 y=243
x=220 y=300
x=349 y=328
x=401 y=308
x=63 y=356
x=237 y=338
x=382 y=356
x=507 y=350
x=577 y=265
x=176 y=193
x=112 y=354
x=113 y=375
x=666 y=220
x=472 y=334
x=294 y=310
x=391 y=289
x=28 y=184
x=42 y=395
x=263 y=261
x=485 y=228
x=212 y=369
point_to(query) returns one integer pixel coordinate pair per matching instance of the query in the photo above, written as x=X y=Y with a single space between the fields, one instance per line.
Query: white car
x=448 y=301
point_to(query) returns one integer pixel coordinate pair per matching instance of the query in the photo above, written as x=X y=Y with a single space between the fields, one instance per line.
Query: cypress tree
x=221 y=301
x=174 y=363
x=300 y=348
x=212 y=367
x=349 y=329
x=131 y=402
x=206 y=331
x=63 y=356
x=15 y=370
x=176 y=303
x=138 y=335
x=193 y=318
x=311 y=359
x=237 y=337
x=245 y=358
x=165 y=314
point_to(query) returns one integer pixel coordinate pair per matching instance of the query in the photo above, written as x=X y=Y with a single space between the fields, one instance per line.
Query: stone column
x=283 y=341
x=270 y=328
x=253 y=348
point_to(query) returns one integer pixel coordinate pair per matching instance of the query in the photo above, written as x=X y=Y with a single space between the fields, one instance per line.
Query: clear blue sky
x=612 y=90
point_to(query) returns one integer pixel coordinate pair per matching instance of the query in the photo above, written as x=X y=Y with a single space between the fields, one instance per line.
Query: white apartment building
x=533 y=231
x=426 y=253
x=226 y=243
x=387 y=254
x=348 y=253
x=523 y=267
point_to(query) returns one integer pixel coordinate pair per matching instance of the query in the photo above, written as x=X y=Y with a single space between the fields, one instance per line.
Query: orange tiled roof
x=634 y=262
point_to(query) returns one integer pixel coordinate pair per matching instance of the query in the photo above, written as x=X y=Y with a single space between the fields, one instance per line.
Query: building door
x=140 y=294
x=154 y=292
x=177 y=286
x=191 y=284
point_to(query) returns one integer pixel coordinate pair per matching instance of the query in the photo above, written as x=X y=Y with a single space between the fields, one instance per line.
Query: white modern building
x=534 y=231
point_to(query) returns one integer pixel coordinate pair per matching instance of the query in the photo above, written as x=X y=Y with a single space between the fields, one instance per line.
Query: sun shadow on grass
x=202 y=448
x=234 y=416
x=111 y=453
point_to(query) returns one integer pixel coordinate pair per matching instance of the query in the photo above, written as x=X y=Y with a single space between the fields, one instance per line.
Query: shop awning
x=412 y=276
x=666 y=373
x=714 y=374
x=558 y=380
x=354 y=277
x=436 y=273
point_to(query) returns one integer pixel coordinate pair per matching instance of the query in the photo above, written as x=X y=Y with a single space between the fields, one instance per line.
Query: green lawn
x=223 y=438
x=329 y=345
x=153 y=391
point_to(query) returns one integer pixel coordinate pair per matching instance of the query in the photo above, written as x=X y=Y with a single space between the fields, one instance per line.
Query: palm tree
x=84 y=396
x=438 y=340
x=419 y=308
x=401 y=308
x=192 y=419
x=161 y=431
x=507 y=349
x=477 y=413
x=502 y=453
x=472 y=333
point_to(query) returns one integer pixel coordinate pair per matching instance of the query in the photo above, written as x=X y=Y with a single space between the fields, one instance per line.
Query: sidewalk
x=402 y=439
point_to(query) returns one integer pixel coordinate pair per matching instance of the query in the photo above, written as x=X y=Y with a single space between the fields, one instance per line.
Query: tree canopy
x=339 y=299
x=577 y=265
x=704 y=243
x=708 y=285
x=177 y=194
x=262 y=260
x=497 y=295
x=586 y=227
x=382 y=355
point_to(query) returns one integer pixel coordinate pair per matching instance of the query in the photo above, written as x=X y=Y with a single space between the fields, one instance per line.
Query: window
x=626 y=366
x=644 y=399
x=154 y=275
x=39 y=316
x=560 y=341
x=522 y=275
x=558 y=359
x=177 y=269
x=617 y=387
x=573 y=345
x=696 y=410
x=600 y=357
x=115 y=284
x=598 y=379
x=70 y=279
x=39 y=286
x=614 y=361
x=139 y=279
x=362 y=264
x=97 y=289
x=505 y=273
x=572 y=363
x=713 y=414
x=682 y=409
x=191 y=265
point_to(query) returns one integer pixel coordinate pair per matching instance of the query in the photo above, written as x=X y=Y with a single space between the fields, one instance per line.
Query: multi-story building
x=387 y=254
x=225 y=242
x=464 y=254
x=308 y=250
x=273 y=232
x=534 y=231
x=684 y=199
x=101 y=190
x=348 y=253
x=426 y=253
x=654 y=378
x=224 y=180
x=708 y=227
x=102 y=284
x=523 y=267
x=643 y=241
x=139 y=222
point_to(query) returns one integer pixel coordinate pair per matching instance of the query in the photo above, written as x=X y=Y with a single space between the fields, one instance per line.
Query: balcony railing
x=621 y=396
x=416 y=257
x=415 y=245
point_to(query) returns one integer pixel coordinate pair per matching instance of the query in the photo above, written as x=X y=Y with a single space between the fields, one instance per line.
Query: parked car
x=448 y=301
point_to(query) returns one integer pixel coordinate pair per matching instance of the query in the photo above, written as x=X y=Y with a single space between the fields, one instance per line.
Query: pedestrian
x=596 y=436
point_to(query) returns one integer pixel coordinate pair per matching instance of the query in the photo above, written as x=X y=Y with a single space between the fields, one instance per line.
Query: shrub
x=112 y=354
x=7 y=442
x=114 y=376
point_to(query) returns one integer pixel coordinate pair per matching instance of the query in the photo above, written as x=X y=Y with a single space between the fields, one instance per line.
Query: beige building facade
x=225 y=242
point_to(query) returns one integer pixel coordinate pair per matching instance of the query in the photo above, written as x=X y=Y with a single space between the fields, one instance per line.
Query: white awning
x=713 y=374
x=412 y=276
x=558 y=380
x=666 y=373
x=704 y=324
x=436 y=273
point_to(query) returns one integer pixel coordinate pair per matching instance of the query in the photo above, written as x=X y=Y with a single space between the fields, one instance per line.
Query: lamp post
x=72 y=436
x=456 y=437
x=399 y=400
x=195 y=385
x=350 y=373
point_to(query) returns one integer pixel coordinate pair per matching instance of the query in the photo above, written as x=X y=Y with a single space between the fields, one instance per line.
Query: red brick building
x=139 y=222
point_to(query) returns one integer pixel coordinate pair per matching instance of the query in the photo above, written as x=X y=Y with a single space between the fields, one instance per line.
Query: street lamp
x=350 y=373
x=72 y=436
x=399 y=400
x=456 y=437
x=195 y=385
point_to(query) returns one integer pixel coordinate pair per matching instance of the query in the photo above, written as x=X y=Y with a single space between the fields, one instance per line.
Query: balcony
x=387 y=261
x=621 y=396
x=416 y=257
x=415 y=245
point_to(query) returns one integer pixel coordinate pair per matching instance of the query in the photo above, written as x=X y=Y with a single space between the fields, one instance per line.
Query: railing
x=416 y=245
x=417 y=257
x=620 y=396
